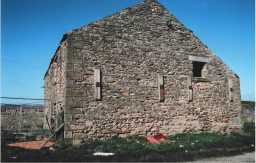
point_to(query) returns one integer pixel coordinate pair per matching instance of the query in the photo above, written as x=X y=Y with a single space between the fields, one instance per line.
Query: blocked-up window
x=197 y=68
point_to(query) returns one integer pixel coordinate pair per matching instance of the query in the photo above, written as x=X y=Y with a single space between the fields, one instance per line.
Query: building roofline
x=54 y=57
x=87 y=25
x=140 y=3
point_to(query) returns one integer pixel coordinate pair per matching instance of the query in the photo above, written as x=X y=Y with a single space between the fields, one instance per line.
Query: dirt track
x=247 y=157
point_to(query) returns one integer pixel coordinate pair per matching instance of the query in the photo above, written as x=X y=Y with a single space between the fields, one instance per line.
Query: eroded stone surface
x=131 y=48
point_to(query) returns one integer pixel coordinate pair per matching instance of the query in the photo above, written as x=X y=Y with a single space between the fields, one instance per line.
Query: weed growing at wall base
x=180 y=147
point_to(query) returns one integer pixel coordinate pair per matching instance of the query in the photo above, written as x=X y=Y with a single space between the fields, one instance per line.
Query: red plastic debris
x=156 y=139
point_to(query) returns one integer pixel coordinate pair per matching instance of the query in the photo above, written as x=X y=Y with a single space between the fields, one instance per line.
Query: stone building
x=139 y=72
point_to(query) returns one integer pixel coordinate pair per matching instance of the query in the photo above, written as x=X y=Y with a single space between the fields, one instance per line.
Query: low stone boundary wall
x=22 y=117
x=248 y=111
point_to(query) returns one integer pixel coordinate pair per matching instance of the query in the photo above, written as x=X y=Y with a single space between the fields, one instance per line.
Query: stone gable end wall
x=55 y=87
x=132 y=49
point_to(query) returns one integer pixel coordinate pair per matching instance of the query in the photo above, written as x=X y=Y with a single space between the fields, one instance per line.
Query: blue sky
x=32 y=29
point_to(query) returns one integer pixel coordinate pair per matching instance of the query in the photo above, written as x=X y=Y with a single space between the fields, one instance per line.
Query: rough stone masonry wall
x=131 y=48
x=54 y=87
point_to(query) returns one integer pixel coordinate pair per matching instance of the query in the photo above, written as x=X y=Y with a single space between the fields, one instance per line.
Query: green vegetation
x=249 y=128
x=180 y=147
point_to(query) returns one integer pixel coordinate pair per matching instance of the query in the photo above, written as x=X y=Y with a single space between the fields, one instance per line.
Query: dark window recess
x=162 y=93
x=161 y=88
x=197 y=68
x=170 y=25
x=98 y=84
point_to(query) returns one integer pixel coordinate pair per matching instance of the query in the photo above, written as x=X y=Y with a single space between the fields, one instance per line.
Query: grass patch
x=180 y=147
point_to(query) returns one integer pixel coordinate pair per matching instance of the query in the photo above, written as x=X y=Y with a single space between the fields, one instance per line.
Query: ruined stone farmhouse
x=138 y=72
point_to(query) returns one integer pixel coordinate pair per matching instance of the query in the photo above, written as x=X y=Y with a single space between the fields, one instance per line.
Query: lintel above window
x=199 y=59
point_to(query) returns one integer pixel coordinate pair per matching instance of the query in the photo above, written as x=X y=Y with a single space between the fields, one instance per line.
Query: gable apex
x=150 y=1
x=146 y=6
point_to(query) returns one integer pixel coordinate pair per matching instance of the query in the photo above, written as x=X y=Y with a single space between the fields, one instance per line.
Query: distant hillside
x=8 y=107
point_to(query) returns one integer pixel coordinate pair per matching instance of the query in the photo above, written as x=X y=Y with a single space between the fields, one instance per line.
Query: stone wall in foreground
x=248 y=111
x=21 y=117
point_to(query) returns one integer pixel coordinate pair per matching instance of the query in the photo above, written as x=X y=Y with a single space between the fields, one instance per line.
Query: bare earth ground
x=247 y=157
